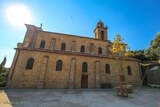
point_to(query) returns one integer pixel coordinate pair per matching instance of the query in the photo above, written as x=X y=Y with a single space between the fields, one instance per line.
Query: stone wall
x=24 y=78
x=61 y=38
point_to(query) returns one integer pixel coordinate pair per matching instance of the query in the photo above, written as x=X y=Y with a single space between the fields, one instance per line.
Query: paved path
x=145 y=97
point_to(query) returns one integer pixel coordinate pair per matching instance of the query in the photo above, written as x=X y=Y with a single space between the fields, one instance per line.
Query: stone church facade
x=56 y=60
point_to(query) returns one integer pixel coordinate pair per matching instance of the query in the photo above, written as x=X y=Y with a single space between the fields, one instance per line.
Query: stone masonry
x=46 y=54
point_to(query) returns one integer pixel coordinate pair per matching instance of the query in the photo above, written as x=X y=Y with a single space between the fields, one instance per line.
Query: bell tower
x=100 y=31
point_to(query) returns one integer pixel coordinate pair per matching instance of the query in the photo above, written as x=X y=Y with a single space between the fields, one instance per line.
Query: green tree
x=153 y=52
x=3 y=64
x=3 y=73
x=139 y=54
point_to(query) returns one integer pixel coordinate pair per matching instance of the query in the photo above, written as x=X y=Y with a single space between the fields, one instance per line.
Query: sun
x=18 y=15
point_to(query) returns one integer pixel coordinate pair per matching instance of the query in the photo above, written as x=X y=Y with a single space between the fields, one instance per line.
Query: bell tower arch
x=100 y=31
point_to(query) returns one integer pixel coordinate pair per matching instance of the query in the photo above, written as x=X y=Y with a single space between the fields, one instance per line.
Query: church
x=56 y=60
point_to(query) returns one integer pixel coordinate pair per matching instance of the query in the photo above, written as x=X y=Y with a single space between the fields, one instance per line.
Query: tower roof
x=100 y=24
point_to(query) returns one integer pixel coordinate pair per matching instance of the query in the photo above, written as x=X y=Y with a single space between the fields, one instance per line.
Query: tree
x=3 y=73
x=118 y=47
x=139 y=54
x=129 y=54
x=118 y=50
x=153 y=52
x=3 y=64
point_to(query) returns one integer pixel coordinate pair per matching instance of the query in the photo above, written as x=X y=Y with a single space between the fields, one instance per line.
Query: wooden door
x=84 y=81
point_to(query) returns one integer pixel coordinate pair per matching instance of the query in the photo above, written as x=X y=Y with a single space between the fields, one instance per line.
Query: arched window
x=100 y=50
x=82 y=48
x=63 y=46
x=42 y=45
x=84 y=67
x=129 y=70
x=30 y=63
x=59 y=65
x=102 y=35
x=107 y=68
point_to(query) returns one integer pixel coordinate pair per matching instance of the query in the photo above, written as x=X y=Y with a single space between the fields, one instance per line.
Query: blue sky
x=137 y=21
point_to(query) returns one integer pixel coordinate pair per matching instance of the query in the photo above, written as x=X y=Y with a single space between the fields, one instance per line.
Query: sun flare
x=18 y=15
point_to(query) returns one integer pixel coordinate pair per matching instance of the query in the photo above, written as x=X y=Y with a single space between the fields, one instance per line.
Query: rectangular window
x=129 y=70
x=107 y=50
x=73 y=48
x=53 y=42
x=91 y=47
x=107 y=68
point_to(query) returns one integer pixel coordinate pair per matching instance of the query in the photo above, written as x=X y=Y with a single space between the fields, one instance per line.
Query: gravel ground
x=142 y=97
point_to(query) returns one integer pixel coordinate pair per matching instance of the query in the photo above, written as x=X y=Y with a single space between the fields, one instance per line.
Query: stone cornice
x=75 y=53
